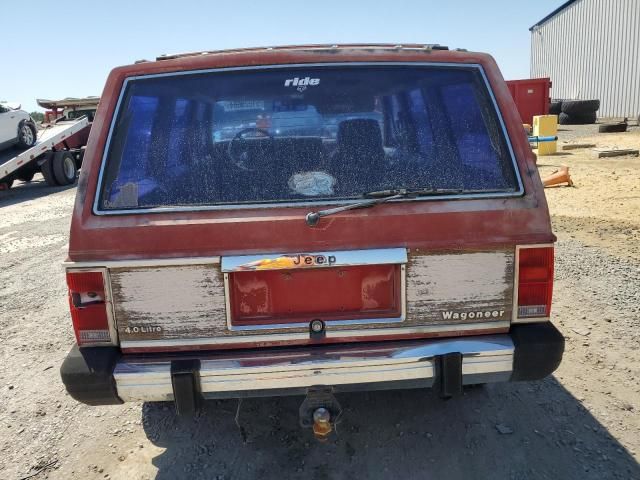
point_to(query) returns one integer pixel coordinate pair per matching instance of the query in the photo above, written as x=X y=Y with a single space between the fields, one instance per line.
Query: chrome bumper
x=371 y=366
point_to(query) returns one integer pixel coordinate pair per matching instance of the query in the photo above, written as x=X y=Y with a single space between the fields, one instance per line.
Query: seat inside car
x=305 y=153
x=359 y=144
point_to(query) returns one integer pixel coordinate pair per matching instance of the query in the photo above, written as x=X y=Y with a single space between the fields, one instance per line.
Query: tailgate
x=358 y=294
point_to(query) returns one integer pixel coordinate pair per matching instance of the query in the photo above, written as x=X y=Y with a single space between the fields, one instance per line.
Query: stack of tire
x=574 y=112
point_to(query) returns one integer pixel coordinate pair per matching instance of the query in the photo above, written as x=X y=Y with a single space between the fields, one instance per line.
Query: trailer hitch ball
x=322 y=424
x=320 y=411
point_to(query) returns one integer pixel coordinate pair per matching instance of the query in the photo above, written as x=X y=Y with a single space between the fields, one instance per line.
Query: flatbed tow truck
x=51 y=155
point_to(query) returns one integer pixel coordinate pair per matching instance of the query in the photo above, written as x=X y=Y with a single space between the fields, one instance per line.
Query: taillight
x=535 y=282
x=87 y=301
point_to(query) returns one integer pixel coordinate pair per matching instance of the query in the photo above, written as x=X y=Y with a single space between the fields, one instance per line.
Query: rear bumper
x=528 y=352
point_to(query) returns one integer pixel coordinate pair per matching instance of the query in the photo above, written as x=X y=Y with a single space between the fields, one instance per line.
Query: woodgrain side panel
x=168 y=302
x=460 y=287
x=444 y=290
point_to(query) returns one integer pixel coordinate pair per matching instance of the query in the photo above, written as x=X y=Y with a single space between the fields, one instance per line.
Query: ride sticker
x=312 y=184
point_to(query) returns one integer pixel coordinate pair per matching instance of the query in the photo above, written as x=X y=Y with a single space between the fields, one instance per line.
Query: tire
x=580 y=107
x=564 y=119
x=27 y=135
x=47 y=171
x=6 y=184
x=555 y=107
x=65 y=170
x=612 y=127
x=26 y=177
x=79 y=156
x=584 y=119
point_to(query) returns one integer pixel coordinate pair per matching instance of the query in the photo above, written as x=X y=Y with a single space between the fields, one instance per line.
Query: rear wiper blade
x=377 y=197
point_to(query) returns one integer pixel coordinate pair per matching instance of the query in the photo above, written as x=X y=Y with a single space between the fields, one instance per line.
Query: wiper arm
x=376 y=198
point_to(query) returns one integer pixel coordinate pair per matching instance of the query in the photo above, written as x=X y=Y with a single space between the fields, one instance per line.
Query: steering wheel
x=238 y=151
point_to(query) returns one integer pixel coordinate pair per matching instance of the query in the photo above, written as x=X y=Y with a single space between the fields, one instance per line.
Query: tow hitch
x=320 y=411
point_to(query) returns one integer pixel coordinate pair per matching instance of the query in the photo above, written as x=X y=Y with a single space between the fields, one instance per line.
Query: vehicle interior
x=244 y=142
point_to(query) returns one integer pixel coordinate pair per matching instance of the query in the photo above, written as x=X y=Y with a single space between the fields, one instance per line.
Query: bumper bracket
x=449 y=374
x=185 y=376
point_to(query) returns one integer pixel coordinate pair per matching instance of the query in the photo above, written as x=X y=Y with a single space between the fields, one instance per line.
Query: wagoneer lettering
x=222 y=215
x=449 y=315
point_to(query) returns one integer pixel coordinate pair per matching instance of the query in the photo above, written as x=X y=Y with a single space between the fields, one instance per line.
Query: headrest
x=360 y=133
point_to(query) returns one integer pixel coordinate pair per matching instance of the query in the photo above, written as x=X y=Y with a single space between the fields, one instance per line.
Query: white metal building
x=591 y=50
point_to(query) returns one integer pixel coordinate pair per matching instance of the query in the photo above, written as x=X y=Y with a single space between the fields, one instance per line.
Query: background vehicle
x=50 y=154
x=71 y=108
x=16 y=127
x=191 y=252
x=59 y=151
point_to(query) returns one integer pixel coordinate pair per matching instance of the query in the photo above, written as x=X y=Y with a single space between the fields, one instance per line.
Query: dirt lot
x=582 y=423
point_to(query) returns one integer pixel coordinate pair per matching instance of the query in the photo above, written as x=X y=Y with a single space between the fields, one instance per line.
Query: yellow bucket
x=545 y=126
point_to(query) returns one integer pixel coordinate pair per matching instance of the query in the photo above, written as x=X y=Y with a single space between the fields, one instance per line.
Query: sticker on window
x=241 y=105
x=125 y=197
x=312 y=184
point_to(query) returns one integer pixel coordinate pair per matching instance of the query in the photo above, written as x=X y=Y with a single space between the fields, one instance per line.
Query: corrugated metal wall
x=591 y=50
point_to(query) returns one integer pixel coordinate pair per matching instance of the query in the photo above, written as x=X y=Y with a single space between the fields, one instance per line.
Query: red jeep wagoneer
x=307 y=220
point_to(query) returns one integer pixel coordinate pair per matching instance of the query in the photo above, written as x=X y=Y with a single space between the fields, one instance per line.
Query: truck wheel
x=65 y=170
x=26 y=136
x=47 y=170
x=6 y=184
x=79 y=156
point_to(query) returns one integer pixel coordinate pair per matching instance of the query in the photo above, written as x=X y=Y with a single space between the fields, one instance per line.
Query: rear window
x=291 y=135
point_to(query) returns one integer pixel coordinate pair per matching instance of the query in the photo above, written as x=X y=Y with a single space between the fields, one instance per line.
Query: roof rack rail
x=437 y=46
x=399 y=46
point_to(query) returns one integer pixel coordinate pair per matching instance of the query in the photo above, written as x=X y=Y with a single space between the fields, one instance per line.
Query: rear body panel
x=171 y=291
x=181 y=306
x=463 y=223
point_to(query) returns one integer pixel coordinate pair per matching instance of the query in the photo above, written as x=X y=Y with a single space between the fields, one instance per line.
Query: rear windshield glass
x=303 y=134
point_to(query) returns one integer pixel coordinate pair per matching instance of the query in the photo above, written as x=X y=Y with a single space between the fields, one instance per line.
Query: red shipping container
x=531 y=96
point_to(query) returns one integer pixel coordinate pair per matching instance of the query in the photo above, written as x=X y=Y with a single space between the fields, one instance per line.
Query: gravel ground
x=581 y=423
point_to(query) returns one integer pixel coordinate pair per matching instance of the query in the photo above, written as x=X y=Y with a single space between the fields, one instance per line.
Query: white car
x=16 y=127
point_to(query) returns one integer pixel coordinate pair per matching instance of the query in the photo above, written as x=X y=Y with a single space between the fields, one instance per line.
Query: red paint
x=428 y=225
x=531 y=96
x=77 y=140
x=290 y=296
x=442 y=225
x=52 y=115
